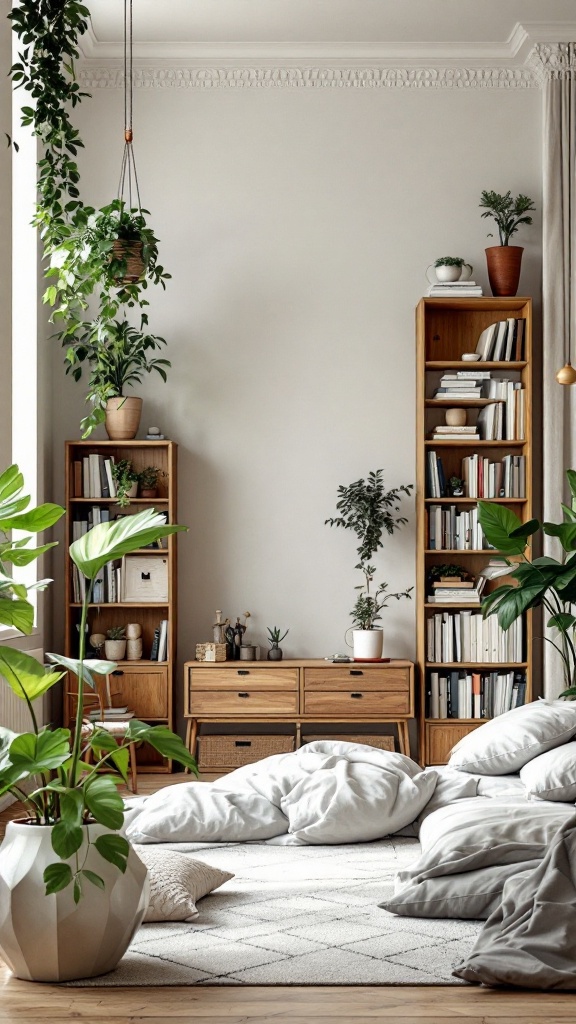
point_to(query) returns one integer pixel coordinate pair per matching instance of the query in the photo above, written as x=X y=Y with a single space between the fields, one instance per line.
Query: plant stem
x=80 y=708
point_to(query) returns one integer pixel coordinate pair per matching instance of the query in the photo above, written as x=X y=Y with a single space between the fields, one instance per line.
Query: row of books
x=107 y=586
x=482 y=477
x=475 y=694
x=504 y=420
x=486 y=479
x=502 y=341
x=453 y=529
x=464 y=636
x=93 y=477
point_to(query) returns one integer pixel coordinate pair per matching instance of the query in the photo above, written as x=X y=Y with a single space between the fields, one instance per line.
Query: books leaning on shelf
x=464 y=636
x=459 y=694
x=453 y=529
x=486 y=479
x=502 y=341
x=159 y=650
x=92 y=477
x=451 y=289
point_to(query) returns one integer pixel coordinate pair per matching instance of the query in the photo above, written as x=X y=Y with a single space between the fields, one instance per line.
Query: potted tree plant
x=504 y=261
x=546 y=582
x=67 y=875
x=369 y=511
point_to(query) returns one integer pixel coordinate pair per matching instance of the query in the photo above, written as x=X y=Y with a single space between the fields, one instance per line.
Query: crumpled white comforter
x=325 y=792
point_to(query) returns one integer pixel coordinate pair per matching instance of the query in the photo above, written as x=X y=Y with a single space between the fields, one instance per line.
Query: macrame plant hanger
x=128 y=186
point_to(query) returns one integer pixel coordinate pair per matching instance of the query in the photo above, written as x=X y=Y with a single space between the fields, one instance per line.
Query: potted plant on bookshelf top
x=504 y=261
x=66 y=872
x=545 y=582
x=369 y=511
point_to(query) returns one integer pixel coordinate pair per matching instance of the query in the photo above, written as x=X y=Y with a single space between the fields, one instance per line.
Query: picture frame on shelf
x=145 y=578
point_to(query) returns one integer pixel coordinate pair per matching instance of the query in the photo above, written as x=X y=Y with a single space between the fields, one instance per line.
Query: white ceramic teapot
x=448 y=274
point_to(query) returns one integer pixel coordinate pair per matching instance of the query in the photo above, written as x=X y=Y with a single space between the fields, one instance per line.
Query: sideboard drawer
x=358 y=703
x=340 y=677
x=243 y=702
x=243 y=678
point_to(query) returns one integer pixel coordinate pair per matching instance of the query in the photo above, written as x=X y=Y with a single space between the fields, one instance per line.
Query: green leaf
x=66 y=839
x=102 y=742
x=562 y=621
x=18 y=614
x=104 y=801
x=114 y=849
x=25 y=675
x=499 y=525
x=571 y=476
x=77 y=889
x=163 y=740
x=90 y=666
x=109 y=541
x=93 y=877
x=19 y=557
x=36 y=520
x=44 y=752
x=11 y=482
x=509 y=603
x=566 y=533
x=527 y=529
x=57 y=877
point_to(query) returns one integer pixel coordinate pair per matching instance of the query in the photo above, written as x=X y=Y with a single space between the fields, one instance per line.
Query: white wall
x=298 y=225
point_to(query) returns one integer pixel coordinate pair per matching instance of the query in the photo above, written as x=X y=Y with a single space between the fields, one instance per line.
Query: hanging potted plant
x=368 y=510
x=73 y=890
x=504 y=261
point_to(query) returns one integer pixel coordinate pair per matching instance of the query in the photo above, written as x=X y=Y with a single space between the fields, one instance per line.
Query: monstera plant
x=544 y=582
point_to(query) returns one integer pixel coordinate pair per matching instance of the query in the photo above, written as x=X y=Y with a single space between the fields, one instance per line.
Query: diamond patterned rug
x=296 y=915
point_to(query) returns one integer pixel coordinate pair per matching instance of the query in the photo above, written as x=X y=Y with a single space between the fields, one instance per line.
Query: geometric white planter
x=51 y=938
x=368 y=643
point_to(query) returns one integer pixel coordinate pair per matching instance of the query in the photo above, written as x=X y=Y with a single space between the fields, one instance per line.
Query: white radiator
x=14 y=712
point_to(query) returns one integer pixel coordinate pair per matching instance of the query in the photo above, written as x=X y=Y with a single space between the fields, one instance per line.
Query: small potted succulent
x=126 y=481
x=448 y=268
x=275 y=638
x=456 y=486
x=148 y=481
x=115 y=643
x=504 y=261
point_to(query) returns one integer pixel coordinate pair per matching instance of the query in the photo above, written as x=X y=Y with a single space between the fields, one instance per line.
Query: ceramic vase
x=275 y=653
x=115 y=650
x=123 y=418
x=51 y=938
x=448 y=273
x=504 y=263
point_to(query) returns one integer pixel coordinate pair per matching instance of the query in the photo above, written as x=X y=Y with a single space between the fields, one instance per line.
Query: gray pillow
x=505 y=744
x=177 y=882
x=552 y=775
x=468 y=896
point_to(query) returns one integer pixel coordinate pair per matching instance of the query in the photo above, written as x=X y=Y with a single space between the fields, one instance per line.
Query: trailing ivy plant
x=81 y=262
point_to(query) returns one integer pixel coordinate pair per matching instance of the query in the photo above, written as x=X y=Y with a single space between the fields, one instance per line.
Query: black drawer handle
x=357 y=695
x=243 y=743
x=118 y=672
x=243 y=672
x=243 y=694
x=356 y=672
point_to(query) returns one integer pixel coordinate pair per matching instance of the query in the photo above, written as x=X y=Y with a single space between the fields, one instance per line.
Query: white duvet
x=326 y=792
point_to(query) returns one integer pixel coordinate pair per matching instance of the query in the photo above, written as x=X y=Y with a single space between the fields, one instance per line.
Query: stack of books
x=475 y=694
x=449 y=433
x=461 y=289
x=457 y=591
x=464 y=384
x=502 y=341
x=110 y=715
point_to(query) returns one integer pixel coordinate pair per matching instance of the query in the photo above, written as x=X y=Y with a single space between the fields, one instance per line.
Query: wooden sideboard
x=297 y=693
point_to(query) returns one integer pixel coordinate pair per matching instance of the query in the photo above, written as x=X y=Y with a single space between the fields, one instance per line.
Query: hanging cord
x=128 y=172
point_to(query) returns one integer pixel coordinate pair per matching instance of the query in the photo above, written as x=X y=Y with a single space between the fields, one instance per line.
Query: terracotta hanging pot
x=123 y=418
x=131 y=254
x=504 y=265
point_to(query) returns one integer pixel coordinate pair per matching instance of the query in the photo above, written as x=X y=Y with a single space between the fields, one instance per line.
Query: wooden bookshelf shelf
x=145 y=685
x=445 y=329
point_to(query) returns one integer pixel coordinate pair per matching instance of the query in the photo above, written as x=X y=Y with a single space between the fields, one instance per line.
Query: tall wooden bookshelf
x=445 y=329
x=145 y=686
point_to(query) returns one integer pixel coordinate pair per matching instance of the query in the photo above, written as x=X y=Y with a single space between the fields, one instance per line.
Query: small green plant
x=507 y=212
x=456 y=484
x=67 y=792
x=116 y=633
x=449 y=261
x=275 y=635
x=369 y=511
x=148 y=477
x=124 y=478
x=448 y=571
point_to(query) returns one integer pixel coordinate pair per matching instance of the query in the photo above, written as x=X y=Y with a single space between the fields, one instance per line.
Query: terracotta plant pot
x=123 y=418
x=504 y=265
x=148 y=492
x=131 y=255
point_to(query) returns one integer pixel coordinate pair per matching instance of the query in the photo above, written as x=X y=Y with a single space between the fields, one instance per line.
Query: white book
x=500 y=341
x=430 y=640
x=443 y=696
x=163 y=641
x=95 y=488
x=437 y=638
x=111 y=482
x=434 y=695
x=486 y=342
x=86 y=477
x=510 y=338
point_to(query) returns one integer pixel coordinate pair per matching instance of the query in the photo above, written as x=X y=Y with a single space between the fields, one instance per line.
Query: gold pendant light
x=567 y=375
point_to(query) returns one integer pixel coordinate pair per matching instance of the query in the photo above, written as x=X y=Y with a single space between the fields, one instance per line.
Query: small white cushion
x=552 y=776
x=177 y=882
x=505 y=744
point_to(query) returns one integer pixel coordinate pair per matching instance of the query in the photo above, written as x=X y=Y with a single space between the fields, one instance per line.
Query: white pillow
x=552 y=776
x=177 y=882
x=506 y=743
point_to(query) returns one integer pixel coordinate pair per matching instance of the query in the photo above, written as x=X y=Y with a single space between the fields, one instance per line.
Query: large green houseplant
x=74 y=808
x=544 y=582
x=504 y=261
x=369 y=511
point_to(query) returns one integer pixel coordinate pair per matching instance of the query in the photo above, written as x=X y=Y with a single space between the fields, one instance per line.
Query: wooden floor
x=23 y=1002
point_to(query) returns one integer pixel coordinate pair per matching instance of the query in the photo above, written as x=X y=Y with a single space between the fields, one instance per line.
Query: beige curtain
x=558 y=65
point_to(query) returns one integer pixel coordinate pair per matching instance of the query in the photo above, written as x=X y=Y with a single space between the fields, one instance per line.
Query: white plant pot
x=368 y=643
x=448 y=273
x=51 y=938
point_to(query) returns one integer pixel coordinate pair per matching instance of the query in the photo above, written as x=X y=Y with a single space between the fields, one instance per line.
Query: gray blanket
x=530 y=938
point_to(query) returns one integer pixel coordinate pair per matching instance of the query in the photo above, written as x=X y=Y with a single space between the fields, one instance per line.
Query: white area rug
x=298 y=915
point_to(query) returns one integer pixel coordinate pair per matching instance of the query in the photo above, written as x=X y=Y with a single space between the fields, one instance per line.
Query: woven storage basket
x=233 y=751
x=210 y=652
x=382 y=742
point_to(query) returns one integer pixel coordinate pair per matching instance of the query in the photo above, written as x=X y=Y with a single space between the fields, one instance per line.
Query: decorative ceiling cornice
x=185 y=65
